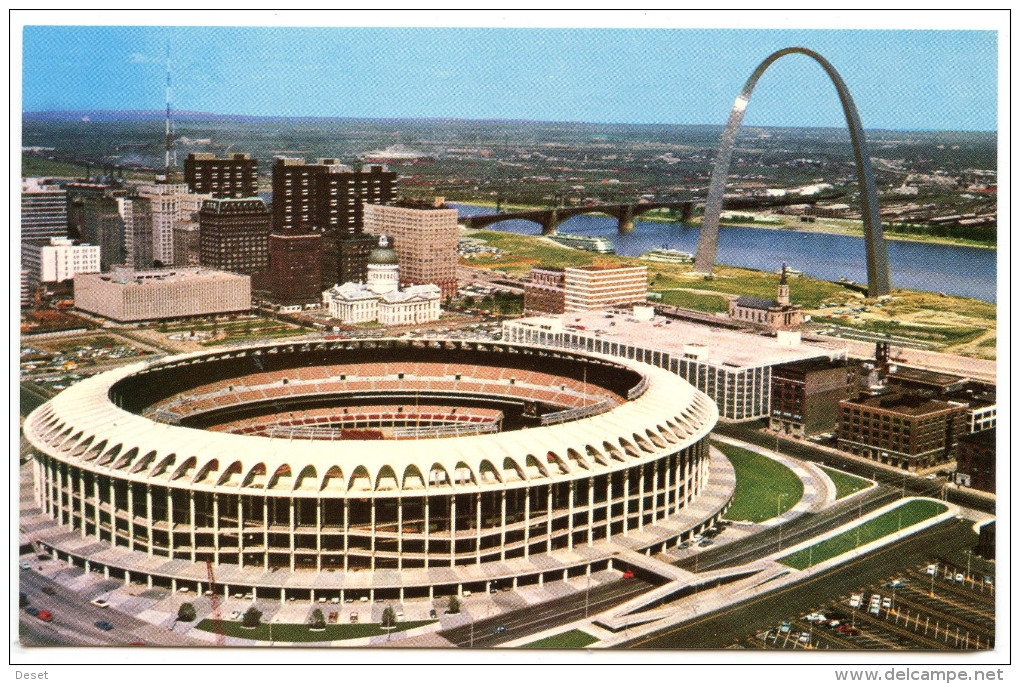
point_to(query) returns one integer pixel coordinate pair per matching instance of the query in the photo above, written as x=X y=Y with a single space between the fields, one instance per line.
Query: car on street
x=104 y=625
x=32 y=610
x=499 y=629
x=45 y=616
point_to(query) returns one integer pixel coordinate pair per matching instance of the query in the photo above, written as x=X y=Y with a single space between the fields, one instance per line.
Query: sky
x=899 y=79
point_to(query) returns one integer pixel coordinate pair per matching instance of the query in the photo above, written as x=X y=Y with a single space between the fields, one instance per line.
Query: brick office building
x=233 y=176
x=975 y=461
x=806 y=395
x=544 y=292
x=295 y=270
x=906 y=431
x=328 y=198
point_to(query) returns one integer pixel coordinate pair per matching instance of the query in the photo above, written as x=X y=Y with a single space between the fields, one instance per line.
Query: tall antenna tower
x=170 y=152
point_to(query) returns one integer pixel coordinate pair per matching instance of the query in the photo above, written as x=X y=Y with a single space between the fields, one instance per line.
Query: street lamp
x=778 y=500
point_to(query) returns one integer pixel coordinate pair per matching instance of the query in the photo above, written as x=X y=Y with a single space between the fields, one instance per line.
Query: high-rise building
x=187 y=245
x=295 y=271
x=55 y=260
x=43 y=210
x=235 y=234
x=172 y=205
x=424 y=237
x=236 y=175
x=135 y=216
x=328 y=197
x=600 y=287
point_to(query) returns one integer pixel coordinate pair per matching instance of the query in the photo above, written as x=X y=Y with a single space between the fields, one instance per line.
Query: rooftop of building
x=548 y=269
x=606 y=267
x=228 y=205
x=433 y=204
x=718 y=345
x=926 y=377
x=812 y=365
x=974 y=394
x=747 y=302
x=212 y=156
x=125 y=275
x=901 y=402
x=985 y=438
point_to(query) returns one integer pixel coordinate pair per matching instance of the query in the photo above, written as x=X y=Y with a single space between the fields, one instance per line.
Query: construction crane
x=214 y=599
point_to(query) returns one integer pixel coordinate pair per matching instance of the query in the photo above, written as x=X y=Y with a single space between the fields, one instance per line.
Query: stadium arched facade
x=383 y=468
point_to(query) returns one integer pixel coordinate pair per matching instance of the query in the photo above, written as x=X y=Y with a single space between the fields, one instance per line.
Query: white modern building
x=732 y=366
x=55 y=260
x=380 y=298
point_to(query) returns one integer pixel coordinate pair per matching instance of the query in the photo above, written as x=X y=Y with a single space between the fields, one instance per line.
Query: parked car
x=959 y=577
x=432 y=614
x=804 y=638
x=887 y=602
x=25 y=565
x=45 y=616
x=47 y=589
x=706 y=542
x=100 y=603
x=399 y=614
x=784 y=627
x=32 y=610
x=627 y=574
x=354 y=618
x=855 y=601
x=104 y=625
x=931 y=569
x=236 y=615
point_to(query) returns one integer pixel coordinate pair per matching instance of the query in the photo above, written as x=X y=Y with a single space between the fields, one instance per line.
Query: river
x=927 y=266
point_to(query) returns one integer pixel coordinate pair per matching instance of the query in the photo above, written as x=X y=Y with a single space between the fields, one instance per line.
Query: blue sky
x=913 y=80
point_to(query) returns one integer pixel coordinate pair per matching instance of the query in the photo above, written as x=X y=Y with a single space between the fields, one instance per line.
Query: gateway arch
x=877 y=257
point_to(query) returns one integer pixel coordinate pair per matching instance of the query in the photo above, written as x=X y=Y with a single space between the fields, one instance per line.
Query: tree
x=318 y=620
x=186 y=613
x=389 y=617
x=251 y=618
x=454 y=606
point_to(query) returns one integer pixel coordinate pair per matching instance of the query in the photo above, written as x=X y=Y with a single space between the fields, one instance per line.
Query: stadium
x=383 y=468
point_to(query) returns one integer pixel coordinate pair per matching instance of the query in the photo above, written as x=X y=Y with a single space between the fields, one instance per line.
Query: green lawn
x=575 y=638
x=889 y=522
x=299 y=633
x=695 y=300
x=846 y=484
x=760 y=482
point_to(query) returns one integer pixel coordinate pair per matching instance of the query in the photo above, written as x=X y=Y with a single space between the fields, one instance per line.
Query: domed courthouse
x=380 y=297
x=387 y=469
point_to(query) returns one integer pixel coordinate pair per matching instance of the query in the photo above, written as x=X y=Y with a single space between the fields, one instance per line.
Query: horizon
x=159 y=115
x=901 y=80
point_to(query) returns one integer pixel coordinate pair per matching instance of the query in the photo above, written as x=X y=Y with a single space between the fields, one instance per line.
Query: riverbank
x=788 y=223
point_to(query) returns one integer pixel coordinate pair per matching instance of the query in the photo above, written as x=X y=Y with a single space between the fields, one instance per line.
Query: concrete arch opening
x=876 y=254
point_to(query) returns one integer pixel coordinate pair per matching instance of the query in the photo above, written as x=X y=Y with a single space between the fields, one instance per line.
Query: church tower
x=783 y=297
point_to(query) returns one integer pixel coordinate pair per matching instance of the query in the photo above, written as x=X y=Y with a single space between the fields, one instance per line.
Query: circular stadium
x=381 y=468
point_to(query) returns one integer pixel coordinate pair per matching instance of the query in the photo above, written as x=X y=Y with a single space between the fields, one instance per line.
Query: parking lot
x=935 y=606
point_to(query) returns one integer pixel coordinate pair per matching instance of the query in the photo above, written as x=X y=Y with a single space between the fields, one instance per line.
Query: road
x=913 y=485
x=74 y=620
x=532 y=619
x=723 y=627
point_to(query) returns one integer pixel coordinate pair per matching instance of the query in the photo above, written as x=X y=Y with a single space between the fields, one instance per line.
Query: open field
x=575 y=638
x=889 y=522
x=303 y=633
x=765 y=488
x=846 y=484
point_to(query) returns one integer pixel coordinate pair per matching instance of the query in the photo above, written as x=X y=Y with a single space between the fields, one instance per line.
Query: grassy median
x=303 y=633
x=891 y=521
x=575 y=638
x=846 y=484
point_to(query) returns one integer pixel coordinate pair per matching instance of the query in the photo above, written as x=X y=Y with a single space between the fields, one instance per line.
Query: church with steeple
x=774 y=314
